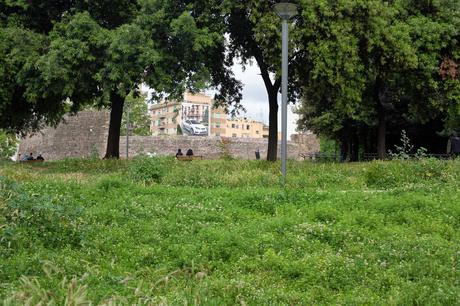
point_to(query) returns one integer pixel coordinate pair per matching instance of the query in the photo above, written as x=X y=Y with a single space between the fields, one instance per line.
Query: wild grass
x=159 y=231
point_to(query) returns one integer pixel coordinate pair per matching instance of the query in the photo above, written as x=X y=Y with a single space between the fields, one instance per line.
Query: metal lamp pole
x=127 y=132
x=285 y=11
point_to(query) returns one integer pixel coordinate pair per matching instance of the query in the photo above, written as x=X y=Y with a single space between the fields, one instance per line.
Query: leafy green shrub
x=8 y=144
x=401 y=173
x=30 y=218
x=378 y=176
x=148 y=169
x=406 y=149
x=110 y=183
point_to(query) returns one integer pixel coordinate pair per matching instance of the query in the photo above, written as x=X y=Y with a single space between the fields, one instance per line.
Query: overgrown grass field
x=155 y=231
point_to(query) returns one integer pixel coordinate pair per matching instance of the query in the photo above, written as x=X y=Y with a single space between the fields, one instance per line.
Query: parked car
x=193 y=128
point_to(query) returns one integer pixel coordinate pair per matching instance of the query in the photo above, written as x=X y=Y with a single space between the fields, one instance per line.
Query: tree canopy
x=364 y=69
x=376 y=64
x=139 y=119
x=98 y=52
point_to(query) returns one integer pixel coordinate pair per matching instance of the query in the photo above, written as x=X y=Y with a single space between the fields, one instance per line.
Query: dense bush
x=32 y=219
x=149 y=169
x=401 y=173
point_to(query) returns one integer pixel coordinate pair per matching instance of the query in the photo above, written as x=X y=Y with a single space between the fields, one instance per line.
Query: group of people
x=30 y=157
x=189 y=153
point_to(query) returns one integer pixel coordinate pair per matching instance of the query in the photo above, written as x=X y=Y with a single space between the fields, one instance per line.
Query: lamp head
x=285 y=10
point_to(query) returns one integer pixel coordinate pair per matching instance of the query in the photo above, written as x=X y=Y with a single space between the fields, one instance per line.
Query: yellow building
x=197 y=110
x=244 y=128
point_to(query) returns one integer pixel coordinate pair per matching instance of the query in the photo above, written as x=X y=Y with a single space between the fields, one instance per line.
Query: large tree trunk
x=273 y=126
x=272 y=91
x=381 y=132
x=344 y=147
x=116 y=113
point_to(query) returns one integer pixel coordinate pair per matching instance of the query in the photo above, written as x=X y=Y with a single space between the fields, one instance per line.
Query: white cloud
x=255 y=98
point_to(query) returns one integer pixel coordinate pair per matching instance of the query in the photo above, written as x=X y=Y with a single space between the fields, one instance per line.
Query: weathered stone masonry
x=85 y=135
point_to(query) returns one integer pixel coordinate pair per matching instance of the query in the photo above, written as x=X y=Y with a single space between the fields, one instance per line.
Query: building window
x=217 y=125
x=234 y=135
x=257 y=132
x=233 y=126
x=248 y=127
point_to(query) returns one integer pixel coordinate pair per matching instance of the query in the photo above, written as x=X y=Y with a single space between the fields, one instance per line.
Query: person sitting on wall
x=40 y=157
x=189 y=152
x=30 y=157
x=179 y=153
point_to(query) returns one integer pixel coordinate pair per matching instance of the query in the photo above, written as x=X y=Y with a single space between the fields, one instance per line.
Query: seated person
x=189 y=152
x=40 y=157
x=179 y=152
x=30 y=157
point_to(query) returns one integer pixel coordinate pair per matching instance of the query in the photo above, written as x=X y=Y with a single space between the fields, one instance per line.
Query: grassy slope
x=224 y=232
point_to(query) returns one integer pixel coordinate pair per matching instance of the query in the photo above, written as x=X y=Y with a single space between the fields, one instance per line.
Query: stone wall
x=86 y=135
x=210 y=147
x=82 y=135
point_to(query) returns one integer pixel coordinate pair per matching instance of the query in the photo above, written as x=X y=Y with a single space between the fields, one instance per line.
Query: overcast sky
x=255 y=99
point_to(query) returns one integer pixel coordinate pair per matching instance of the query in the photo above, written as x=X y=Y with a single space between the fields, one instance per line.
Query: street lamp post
x=285 y=11
x=127 y=132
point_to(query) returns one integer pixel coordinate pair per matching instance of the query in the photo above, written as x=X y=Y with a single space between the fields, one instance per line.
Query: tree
x=24 y=104
x=96 y=59
x=30 y=98
x=139 y=119
x=254 y=35
x=97 y=52
x=375 y=64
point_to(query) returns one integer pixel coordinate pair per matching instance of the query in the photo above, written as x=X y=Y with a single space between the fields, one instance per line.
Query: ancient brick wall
x=85 y=135
x=210 y=147
x=82 y=135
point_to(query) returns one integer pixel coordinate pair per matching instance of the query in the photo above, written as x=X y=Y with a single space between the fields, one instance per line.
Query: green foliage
x=34 y=291
x=329 y=237
x=375 y=63
x=406 y=173
x=139 y=120
x=148 y=169
x=406 y=149
x=327 y=145
x=8 y=143
x=30 y=220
